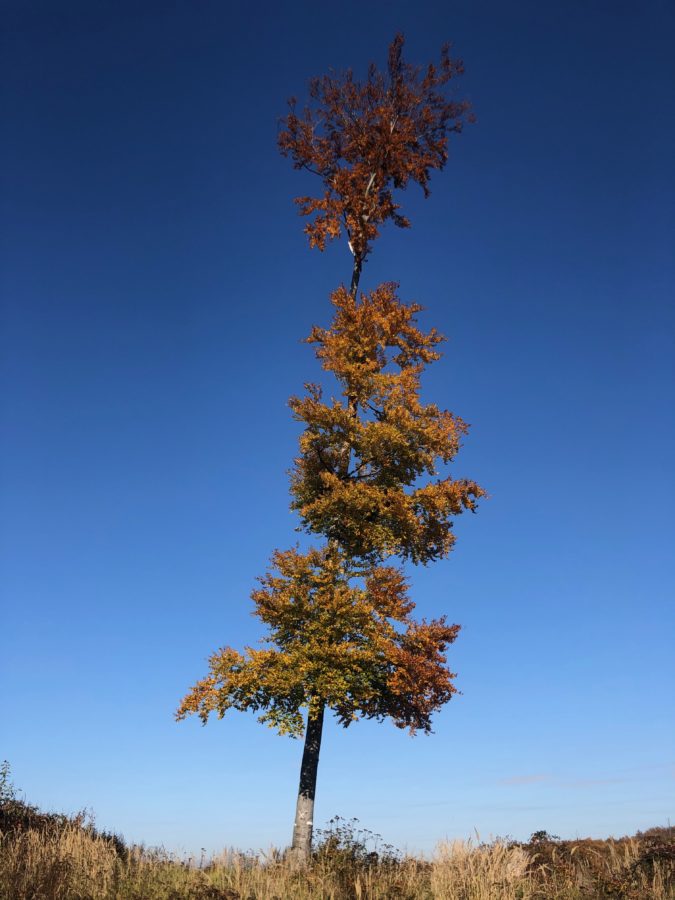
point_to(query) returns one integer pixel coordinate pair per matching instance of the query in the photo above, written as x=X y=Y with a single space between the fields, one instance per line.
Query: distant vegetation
x=48 y=856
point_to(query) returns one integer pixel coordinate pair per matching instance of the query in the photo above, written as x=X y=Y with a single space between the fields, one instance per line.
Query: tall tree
x=340 y=631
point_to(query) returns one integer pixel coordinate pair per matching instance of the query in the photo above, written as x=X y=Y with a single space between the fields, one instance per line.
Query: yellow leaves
x=372 y=521
x=332 y=636
x=201 y=699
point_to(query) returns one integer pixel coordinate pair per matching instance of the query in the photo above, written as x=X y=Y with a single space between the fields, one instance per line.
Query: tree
x=340 y=631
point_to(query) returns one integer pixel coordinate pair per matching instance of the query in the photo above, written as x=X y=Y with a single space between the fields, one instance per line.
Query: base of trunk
x=297 y=858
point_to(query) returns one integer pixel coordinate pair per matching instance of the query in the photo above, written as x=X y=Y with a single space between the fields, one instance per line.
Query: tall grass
x=464 y=872
x=73 y=863
x=53 y=857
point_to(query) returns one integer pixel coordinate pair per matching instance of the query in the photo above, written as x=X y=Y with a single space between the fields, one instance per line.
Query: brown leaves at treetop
x=366 y=139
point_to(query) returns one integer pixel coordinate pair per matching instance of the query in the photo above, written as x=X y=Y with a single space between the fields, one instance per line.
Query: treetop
x=366 y=139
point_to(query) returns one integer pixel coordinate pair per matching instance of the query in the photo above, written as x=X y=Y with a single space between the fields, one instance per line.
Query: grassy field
x=53 y=857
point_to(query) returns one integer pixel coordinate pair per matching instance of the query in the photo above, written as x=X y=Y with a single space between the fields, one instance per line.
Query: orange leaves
x=370 y=336
x=365 y=140
x=420 y=682
x=357 y=479
x=387 y=591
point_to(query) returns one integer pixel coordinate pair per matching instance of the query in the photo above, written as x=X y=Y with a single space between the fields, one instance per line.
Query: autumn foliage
x=367 y=479
x=352 y=647
x=356 y=480
x=367 y=139
x=340 y=631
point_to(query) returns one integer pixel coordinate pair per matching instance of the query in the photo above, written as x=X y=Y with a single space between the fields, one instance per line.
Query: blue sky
x=155 y=288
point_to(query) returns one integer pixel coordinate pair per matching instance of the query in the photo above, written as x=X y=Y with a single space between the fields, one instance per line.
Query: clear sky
x=155 y=287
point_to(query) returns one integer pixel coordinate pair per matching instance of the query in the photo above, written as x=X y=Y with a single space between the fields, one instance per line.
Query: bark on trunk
x=304 y=814
x=356 y=276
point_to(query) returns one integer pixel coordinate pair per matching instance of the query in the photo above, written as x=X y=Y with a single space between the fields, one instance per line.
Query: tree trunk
x=304 y=813
x=356 y=276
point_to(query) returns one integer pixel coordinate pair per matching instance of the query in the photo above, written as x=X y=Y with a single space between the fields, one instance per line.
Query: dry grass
x=64 y=863
x=464 y=872
x=74 y=863
x=46 y=856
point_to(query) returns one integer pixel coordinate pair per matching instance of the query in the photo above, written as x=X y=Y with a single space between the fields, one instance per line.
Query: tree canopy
x=352 y=647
